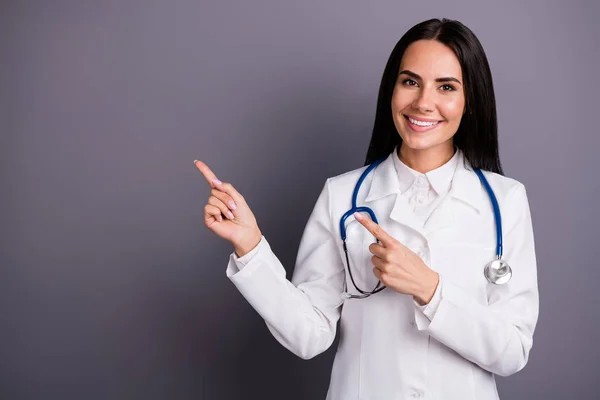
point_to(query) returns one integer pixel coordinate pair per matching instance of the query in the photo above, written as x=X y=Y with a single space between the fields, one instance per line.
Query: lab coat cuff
x=236 y=264
x=424 y=314
x=430 y=308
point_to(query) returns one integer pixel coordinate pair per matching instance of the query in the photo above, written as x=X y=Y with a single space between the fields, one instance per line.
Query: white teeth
x=420 y=123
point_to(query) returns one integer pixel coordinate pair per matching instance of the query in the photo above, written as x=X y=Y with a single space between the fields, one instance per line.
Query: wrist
x=428 y=290
x=245 y=247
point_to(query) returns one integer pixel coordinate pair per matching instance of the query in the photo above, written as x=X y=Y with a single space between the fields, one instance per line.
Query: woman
x=438 y=329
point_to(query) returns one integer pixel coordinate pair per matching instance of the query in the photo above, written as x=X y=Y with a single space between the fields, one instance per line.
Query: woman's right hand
x=227 y=214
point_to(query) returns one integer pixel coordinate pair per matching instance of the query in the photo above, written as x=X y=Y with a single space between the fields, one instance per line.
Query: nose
x=423 y=102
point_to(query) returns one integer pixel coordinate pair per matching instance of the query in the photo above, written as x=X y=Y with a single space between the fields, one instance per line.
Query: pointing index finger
x=213 y=182
x=384 y=238
x=207 y=173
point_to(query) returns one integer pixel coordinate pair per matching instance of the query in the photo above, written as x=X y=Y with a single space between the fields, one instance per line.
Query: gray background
x=112 y=288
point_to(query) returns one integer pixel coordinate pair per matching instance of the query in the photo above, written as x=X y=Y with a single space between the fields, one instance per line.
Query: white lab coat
x=388 y=348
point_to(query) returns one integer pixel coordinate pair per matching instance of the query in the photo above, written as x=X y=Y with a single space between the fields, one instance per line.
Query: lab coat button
x=415 y=395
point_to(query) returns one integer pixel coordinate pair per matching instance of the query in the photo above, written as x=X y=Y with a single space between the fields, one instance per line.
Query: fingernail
x=358 y=216
x=230 y=215
x=195 y=161
x=232 y=205
x=216 y=181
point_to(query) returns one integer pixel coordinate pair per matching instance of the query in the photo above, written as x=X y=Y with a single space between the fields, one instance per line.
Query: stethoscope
x=496 y=271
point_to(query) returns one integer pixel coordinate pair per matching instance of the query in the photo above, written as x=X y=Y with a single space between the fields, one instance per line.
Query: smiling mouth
x=421 y=126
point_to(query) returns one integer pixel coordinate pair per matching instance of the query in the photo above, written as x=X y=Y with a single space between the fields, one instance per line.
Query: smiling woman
x=428 y=102
x=436 y=328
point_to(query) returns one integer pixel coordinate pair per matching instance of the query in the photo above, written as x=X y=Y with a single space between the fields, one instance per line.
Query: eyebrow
x=416 y=76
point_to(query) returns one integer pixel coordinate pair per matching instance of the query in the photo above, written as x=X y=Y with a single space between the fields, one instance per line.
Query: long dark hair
x=477 y=134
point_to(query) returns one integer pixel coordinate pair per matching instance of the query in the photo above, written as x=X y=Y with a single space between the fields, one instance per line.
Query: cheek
x=400 y=101
x=453 y=110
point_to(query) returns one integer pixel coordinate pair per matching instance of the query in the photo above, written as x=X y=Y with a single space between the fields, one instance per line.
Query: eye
x=409 y=82
x=447 y=88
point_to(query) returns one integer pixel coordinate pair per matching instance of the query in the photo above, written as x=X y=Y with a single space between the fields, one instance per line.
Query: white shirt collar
x=440 y=178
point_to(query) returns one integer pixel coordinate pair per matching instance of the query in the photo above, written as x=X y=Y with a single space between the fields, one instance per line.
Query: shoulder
x=338 y=190
x=345 y=179
x=512 y=198
x=340 y=186
x=504 y=184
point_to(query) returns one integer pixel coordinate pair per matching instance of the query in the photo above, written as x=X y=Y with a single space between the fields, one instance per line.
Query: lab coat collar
x=440 y=178
x=465 y=183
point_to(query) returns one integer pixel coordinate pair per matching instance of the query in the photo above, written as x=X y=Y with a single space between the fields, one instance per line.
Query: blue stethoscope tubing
x=379 y=287
x=496 y=271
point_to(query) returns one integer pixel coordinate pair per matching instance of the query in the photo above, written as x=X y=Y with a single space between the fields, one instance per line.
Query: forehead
x=431 y=59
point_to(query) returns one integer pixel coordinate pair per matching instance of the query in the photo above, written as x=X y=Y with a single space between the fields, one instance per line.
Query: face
x=428 y=99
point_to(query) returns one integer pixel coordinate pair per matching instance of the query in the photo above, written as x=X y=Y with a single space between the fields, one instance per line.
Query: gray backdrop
x=112 y=288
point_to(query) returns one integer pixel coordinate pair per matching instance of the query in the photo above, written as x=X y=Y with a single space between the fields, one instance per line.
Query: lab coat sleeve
x=302 y=313
x=497 y=336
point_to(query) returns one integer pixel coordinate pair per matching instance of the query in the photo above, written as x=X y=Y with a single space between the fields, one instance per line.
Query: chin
x=419 y=143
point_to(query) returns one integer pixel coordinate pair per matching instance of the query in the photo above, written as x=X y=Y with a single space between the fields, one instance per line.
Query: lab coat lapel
x=465 y=195
x=441 y=218
x=383 y=184
x=402 y=213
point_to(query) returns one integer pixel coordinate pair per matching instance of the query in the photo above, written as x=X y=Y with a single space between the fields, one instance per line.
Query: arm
x=497 y=336
x=301 y=314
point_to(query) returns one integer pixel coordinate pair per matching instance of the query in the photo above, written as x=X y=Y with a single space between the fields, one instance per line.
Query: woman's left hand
x=397 y=267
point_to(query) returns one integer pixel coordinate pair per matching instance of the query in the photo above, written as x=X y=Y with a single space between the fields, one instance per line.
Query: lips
x=421 y=125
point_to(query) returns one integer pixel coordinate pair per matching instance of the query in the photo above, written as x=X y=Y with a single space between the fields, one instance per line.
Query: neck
x=425 y=160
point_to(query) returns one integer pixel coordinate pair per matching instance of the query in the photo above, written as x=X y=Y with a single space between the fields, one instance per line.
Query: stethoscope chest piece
x=498 y=271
